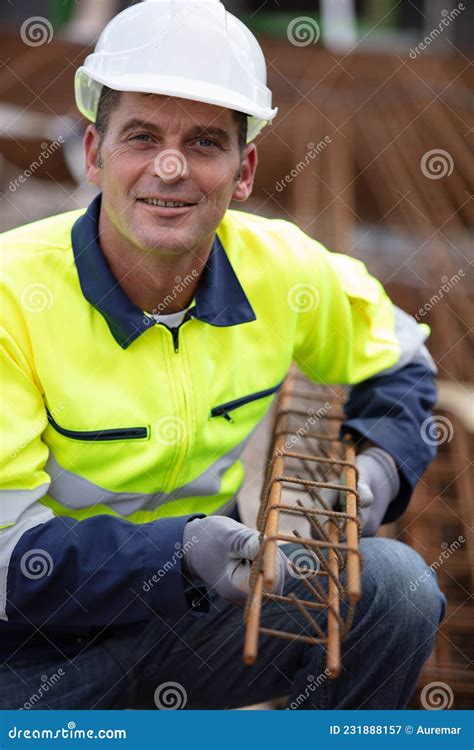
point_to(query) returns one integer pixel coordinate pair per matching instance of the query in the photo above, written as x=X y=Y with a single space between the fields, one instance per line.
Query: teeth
x=164 y=204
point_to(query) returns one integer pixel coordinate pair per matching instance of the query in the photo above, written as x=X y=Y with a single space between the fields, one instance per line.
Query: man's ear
x=247 y=173
x=91 y=150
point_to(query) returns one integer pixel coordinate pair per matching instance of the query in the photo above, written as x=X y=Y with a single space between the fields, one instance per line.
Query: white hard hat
x=191 y=49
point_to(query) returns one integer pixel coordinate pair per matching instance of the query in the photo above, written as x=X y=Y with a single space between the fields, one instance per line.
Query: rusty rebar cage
x=308 y=458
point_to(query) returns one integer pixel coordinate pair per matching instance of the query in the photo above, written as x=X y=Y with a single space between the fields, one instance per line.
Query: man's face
x=167 y=149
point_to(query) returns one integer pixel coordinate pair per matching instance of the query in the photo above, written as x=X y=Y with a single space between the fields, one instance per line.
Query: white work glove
x=378 y=484
x=221 y=556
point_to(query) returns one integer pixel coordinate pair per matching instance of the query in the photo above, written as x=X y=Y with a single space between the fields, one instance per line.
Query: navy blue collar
x=220 y=299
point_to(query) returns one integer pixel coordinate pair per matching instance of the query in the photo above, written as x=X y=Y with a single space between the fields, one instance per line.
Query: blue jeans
x=392 y=636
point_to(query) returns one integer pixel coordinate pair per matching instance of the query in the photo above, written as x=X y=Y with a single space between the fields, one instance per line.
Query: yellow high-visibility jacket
x=117 y=430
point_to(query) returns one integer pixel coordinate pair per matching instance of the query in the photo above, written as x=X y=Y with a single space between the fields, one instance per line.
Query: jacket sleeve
x=393 y=411
x=58 y=571
x=355 y=336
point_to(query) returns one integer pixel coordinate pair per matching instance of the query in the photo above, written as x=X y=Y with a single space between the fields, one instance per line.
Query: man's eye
x=207 y=141
x=141 y=137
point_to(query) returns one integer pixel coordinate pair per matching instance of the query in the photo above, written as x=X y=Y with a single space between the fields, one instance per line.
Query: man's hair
x=109 y=100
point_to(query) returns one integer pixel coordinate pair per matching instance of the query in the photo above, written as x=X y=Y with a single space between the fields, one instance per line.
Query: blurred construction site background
x=372 y=154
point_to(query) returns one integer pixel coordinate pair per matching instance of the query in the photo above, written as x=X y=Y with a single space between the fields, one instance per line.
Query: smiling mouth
x=164 y=204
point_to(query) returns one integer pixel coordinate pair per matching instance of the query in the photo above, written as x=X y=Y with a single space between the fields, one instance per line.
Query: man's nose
x=171 y=165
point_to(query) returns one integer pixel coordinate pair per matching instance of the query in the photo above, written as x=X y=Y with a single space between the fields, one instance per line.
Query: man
x=143 y=341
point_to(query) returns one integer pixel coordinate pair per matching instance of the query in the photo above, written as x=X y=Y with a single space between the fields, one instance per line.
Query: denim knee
x=395 y=573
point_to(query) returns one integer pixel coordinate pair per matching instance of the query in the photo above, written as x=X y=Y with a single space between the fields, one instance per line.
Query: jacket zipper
x=223 y=409
x=175 y=335
x=184 y=414
x=174 y=332
x=119 y=433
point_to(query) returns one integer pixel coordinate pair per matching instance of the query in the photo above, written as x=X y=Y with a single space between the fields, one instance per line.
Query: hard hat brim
x=88 y=90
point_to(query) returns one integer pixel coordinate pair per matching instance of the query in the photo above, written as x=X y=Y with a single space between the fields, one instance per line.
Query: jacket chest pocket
x=223 y=410
x=107 y=434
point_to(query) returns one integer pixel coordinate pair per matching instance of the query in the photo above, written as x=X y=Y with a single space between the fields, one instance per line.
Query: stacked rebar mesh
x=310 y=464
x=438 y=524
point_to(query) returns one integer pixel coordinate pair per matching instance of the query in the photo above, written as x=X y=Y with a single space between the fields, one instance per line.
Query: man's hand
x=378 y=484
x=220 y=550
